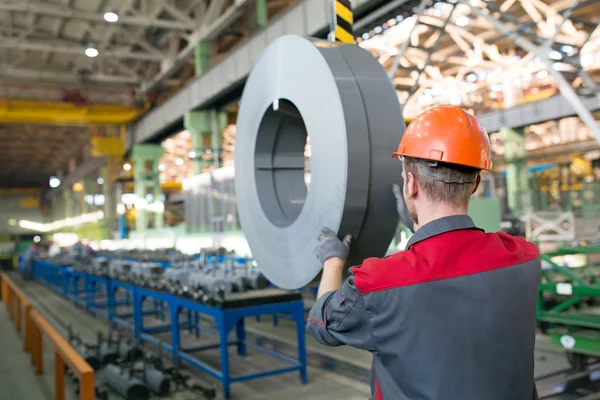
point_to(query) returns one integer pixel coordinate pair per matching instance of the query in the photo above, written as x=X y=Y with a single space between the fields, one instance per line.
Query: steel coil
x=341 y=98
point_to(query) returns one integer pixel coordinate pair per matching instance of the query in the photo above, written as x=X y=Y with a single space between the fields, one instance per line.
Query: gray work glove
x=331 y=246
x=401 y=207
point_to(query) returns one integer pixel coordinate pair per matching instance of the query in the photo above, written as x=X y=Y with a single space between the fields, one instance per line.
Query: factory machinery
x=217 y=284
x=207 y=278
x=568 y=301
x=130 y=371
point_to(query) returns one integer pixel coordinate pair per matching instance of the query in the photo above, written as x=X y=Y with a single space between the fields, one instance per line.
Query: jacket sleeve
x=340 y=317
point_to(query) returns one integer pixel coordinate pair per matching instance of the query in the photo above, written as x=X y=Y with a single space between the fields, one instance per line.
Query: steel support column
x=218 y=123
x=67 y=201
x=146 y=158
x=516 y=171
x=201 y=57
x=261 y=13
x=198 y=124
x=108 y=192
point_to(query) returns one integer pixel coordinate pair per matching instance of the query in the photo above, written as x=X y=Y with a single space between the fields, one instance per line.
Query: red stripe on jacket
x=445 y=256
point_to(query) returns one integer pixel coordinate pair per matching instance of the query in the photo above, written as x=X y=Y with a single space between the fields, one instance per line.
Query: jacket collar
x=441 y=225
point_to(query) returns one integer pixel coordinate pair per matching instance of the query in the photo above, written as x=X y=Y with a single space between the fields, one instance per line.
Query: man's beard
x=410 y=206
x=413 y=213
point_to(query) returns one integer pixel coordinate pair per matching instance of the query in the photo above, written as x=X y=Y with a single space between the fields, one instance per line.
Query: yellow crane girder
x=65 y=113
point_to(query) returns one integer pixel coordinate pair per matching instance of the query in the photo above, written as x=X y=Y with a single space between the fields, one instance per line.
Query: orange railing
x=18 y=307
x=36 y=326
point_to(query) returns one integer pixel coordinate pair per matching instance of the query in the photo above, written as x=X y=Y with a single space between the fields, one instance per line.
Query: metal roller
x=342 y=99
x=157 y=381
x=108 y=353
x=123 y=383
x=128 y=351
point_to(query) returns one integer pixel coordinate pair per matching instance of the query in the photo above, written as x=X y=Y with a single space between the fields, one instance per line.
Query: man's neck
x=440 y=211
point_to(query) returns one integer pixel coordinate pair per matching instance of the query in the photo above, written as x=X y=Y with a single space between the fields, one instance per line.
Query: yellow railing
x=20 y=309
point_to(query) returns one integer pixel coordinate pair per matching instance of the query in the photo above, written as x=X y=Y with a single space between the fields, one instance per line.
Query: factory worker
x=453 y=316
x=30 y=255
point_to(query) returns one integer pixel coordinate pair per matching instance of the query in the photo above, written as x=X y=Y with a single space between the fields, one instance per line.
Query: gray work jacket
x=450 y=318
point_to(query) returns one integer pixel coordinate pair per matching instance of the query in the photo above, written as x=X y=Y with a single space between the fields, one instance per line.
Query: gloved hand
x=331 y=246
x=405 y=217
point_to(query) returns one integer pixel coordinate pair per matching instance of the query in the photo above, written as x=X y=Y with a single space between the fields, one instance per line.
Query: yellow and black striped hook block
x=344 y=19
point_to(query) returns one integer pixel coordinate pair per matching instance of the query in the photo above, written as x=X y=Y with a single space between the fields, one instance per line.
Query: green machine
x=568 y=308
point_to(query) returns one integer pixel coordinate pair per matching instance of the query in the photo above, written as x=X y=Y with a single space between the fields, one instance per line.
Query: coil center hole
x=279 y=162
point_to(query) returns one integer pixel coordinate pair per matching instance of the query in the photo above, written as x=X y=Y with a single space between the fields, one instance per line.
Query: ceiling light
x=127 y=167
x=542 y=74
x=587 y=60
x=568 y=50
x=91 y=52
x=179 y=162
x=462 y=21
x=111 y=17
x=560 y=66
x=169 y=143
x=54 y=182
x=192 y=154
x=161 y=167
x=554 y=55
x=37 y=239
x=100 y=180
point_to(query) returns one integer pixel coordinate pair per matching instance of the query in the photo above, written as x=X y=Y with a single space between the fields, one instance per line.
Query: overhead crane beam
x=64 y=113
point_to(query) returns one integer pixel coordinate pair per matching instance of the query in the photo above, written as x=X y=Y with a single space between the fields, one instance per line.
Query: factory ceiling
x=29 y=154
x=132 y=53
x=117 y=43
x=74 y=51
x=450 y=55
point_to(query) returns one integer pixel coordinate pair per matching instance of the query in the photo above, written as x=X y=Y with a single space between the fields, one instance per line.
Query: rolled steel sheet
x=342 y=99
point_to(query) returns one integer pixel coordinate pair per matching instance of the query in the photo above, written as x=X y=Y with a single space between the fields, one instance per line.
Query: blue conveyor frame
x=84 y=289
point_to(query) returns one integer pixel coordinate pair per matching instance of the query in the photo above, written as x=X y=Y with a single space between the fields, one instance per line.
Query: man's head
x=443 y=150
x=429 y=186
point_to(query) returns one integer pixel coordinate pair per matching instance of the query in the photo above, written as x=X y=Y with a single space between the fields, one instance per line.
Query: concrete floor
x=17 y=377
x=334 y=373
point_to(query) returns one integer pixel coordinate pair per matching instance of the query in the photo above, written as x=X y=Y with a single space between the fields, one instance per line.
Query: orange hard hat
x=447 y=134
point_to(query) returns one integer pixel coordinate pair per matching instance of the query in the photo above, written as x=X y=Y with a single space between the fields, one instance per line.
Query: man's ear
x=477 y=182
x=412 y=188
